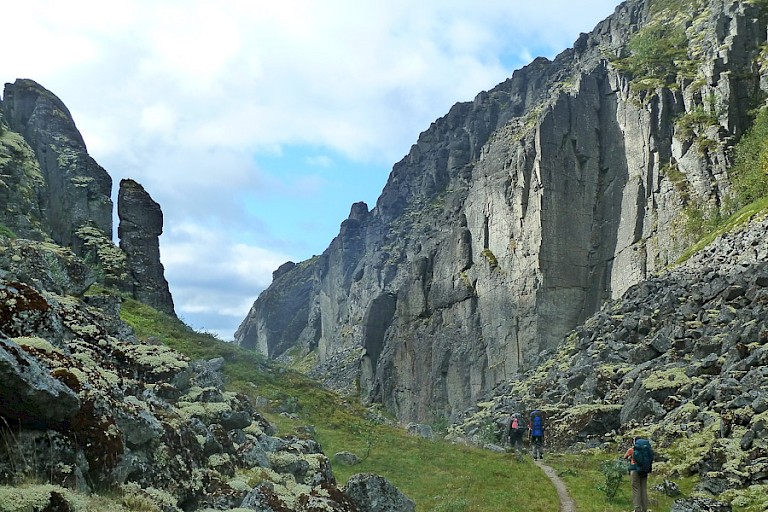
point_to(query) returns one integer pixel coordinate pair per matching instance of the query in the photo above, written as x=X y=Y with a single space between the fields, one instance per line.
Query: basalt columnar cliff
x=516 y=216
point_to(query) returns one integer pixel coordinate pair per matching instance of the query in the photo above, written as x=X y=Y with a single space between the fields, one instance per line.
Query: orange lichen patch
x=99 y=436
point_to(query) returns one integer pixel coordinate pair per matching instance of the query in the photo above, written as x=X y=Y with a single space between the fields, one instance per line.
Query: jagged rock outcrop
x=85 y=405
x=29 y=393
x=54 y=191
x=75 y=192
x=141 y=224
x=515 y=216
x=374 y=493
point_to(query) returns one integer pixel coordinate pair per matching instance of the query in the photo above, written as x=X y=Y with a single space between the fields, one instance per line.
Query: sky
x=256 y=125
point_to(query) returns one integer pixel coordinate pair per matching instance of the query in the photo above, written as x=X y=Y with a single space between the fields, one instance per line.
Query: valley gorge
x=516 y=216
x=534 y=249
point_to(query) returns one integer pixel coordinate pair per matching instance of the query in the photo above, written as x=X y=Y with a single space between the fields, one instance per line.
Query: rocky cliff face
x=75 y=191
x=515 y=216
x=52 y=190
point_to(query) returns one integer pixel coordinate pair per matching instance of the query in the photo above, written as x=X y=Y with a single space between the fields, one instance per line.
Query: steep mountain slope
x=516 y=216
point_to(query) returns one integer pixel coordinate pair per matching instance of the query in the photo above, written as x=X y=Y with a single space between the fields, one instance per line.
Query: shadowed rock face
x=75 y=191
x=515 y=216
x=141 y=224
x=681 y=357
x=29 y=394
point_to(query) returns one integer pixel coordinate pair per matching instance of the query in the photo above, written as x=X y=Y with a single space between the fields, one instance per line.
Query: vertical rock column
x=141 y=224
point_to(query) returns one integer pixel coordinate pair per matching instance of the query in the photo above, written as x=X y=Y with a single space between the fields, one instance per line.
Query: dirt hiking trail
x=566 y=502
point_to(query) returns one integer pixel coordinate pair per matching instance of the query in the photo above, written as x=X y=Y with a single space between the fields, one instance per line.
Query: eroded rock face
x=141 y=224
x=52 y=190
x=681 y=357
x=75 y=191
x=516 y=216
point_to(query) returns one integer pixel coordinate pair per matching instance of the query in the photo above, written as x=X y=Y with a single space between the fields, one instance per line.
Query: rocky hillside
x=681 y=357
x=515 y=217
x=85 y=405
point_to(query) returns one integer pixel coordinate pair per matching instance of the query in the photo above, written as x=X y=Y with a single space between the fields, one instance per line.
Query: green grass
x=581 y=474
x=437 y=475
x=5 y=231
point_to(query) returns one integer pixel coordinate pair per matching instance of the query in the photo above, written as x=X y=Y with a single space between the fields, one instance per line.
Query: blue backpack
x=537 y=424
x=643 y=455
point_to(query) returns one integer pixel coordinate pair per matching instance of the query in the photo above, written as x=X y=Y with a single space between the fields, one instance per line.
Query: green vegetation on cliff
x=749 y=173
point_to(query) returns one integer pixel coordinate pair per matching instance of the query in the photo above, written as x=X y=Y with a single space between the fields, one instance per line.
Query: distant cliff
x=53 y=190
x=516 y=216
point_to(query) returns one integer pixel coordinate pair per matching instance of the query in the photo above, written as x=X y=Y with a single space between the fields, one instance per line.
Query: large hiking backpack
x=537 y=424
x=643 y=455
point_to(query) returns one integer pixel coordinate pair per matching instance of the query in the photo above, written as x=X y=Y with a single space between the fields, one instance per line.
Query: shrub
x=5 y=231
x=657 y=52
x=613 y=471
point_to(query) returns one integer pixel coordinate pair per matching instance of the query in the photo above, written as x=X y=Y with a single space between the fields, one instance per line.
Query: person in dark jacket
x=515 y=432
x=536 y=434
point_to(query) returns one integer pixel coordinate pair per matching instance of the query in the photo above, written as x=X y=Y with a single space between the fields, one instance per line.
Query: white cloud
x=158 y=119
x=320 y=161
x=210 y=276
x=192 y=97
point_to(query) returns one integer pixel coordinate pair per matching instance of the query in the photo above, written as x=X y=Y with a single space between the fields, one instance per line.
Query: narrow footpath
x=566 y=502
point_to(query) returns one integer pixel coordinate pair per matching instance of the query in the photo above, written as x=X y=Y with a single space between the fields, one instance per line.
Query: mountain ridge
x=515 y=216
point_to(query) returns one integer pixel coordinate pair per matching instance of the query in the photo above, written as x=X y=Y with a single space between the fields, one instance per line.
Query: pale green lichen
x=82 y=181
x=686 y=451
x=156 y=499
x=206 y=411
x=112 y=259
x=254 y=429
x=751 y=499
x=666 y=379
x=35 y=343
x=36 y=497
x=219 y=459
x=160 y=358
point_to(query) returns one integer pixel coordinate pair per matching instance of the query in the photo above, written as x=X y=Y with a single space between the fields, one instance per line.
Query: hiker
x=515 y=432
x=640 y=456
x=536 y=434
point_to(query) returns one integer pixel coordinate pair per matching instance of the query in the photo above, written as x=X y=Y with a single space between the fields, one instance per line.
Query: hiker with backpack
x=515 y=432
x=536 y=434
x=640 y=456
